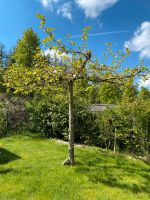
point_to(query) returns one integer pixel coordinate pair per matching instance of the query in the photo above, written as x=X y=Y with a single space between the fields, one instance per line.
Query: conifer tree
x=26 y=49
x=2 y=55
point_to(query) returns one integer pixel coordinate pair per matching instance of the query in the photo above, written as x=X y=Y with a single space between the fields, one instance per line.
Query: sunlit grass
x=32 y=169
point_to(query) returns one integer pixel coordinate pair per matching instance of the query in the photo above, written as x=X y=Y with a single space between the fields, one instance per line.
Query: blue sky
x=125 y=23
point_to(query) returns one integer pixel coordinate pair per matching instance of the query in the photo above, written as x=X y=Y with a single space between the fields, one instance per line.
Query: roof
x=100 y=107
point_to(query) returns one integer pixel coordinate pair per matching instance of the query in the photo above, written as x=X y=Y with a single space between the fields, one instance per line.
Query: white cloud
x=145 y=83
x=94 y=8
x=141 y=40
x=48 y=3
x=56 y=57
x=65 y=10
x=53 y=53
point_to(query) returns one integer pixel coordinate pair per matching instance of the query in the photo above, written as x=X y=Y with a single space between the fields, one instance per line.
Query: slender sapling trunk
x=70 y=160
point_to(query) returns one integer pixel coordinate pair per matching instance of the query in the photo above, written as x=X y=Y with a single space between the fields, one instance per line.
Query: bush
x=124 y=128
x=127 y=127
x=48 y=117
x=86 y=130
x=13 y=115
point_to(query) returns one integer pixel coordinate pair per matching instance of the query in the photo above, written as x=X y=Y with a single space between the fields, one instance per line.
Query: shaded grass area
x=7 y=156
x=32 y=169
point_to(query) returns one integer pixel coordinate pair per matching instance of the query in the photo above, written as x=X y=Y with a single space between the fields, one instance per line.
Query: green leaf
x=42 y=17
x=49 y=29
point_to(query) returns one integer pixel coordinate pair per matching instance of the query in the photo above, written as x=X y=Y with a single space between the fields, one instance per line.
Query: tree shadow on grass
x=7 y=156
x=114 y=171
x=6 y=171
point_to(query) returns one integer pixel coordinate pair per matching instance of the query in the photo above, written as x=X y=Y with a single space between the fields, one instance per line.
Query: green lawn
x=32 y=169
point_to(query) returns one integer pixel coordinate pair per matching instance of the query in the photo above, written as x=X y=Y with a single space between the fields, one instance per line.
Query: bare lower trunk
x=70 y=160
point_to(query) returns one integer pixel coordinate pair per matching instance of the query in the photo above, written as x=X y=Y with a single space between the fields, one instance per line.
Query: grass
x=32 y=169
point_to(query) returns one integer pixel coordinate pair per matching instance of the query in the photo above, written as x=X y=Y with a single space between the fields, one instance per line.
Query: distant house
x=100 y=107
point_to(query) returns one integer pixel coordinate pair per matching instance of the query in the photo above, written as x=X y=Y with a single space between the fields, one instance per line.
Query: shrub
x=48 y=117
x=13 y=115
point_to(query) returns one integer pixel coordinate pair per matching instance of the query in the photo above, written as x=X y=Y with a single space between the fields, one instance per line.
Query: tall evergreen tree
x=26 y=49
x=2 y=55
x=2 y=65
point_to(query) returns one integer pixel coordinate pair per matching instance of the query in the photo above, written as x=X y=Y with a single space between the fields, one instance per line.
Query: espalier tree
x=67 y=64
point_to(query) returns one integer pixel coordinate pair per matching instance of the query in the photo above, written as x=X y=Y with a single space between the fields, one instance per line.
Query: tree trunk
x=70 y=160
x=147 y=144
x=115 y=139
